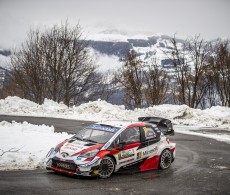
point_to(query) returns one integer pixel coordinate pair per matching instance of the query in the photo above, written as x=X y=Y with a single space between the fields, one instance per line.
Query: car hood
x=72 y=148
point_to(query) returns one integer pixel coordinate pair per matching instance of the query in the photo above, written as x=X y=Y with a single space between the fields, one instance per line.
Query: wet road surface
x=202 y=166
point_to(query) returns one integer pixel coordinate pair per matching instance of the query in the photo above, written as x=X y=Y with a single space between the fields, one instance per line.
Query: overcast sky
x=209 y=18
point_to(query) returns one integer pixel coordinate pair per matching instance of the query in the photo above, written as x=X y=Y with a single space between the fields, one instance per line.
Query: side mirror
x=121 y=146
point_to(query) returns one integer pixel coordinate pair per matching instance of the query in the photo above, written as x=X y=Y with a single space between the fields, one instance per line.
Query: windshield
x=94 y=135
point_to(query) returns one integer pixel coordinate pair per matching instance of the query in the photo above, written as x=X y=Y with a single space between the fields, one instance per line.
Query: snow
x=222 y=135
x=216 y=116
x=113 y=36
x=4 y=61
x=34 y=141
x=108 y=37
x=146 y=54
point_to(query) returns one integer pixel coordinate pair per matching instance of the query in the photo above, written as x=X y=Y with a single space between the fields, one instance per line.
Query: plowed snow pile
x=101 y=110
x=24 y=146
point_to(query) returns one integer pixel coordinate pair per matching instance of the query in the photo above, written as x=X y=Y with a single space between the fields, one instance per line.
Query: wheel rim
x=166 y=159
x=106 y=167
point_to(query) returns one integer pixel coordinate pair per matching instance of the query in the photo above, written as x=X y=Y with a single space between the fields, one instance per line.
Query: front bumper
x=69 y=167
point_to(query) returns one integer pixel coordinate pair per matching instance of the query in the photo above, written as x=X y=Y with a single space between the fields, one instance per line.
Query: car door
x=150 y=137
x=126 y=147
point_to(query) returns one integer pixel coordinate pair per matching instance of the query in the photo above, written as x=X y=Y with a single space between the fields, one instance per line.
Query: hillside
x=116 y=45
x=110 y=47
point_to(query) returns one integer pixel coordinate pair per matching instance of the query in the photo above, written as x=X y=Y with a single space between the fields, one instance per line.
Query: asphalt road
x=202 y=166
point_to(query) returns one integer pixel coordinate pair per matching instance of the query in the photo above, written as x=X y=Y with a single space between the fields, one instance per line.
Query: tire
x=165 y=159
x=107 y=167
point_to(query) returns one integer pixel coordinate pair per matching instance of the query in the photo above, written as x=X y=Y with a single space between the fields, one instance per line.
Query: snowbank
x=101 y=110
x=24 y=146
x=218 y=134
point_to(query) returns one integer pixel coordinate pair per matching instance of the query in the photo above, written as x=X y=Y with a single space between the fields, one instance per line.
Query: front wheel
x=165 y=159
x=107 y=167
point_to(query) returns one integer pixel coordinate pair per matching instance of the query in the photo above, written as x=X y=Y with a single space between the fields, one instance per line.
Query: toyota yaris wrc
x=104 y=148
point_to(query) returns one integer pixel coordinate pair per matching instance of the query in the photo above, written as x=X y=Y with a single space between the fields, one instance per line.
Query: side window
x=149 y=133
x=130 y=135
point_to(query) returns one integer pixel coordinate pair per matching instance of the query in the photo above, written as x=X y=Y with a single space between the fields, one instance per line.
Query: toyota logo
x=64 y=154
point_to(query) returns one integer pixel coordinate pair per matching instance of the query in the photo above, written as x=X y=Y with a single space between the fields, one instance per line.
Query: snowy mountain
x=109 y=48
x=115 y=45
x=4 y=57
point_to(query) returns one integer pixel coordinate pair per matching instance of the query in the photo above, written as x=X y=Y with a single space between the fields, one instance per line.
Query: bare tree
x=107 y=88
x=130 y=78
x=220 y=69
x=11 y=150
x=156 y=84
x=191 y=62
x=54 y=64
x=28 y=69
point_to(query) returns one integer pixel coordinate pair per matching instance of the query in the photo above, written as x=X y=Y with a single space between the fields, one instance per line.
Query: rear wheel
x=107 y=167
x=165 y=159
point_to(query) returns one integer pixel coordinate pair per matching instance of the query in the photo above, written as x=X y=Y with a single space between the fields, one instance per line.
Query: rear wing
x=165 y=125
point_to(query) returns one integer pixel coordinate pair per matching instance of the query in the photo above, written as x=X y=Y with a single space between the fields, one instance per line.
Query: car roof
x=118 y=123
x=124 y=123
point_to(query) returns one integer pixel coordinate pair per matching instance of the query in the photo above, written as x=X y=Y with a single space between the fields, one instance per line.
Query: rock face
x=119 y=49
x=5 y=52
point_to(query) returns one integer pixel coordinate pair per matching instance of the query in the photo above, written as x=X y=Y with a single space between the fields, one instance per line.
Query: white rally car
x=103 y=148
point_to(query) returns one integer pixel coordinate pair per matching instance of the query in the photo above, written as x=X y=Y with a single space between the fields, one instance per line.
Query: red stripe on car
x=61 y=170
x=61 y=144
x=150 y=163
x=89 y=149
x=136 y=125
x=126 y=147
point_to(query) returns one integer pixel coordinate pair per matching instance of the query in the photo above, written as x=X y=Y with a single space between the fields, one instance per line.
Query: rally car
x=104 y=148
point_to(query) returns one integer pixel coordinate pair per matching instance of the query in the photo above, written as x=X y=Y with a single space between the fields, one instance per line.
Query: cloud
x=106 y=63
x=209 y=18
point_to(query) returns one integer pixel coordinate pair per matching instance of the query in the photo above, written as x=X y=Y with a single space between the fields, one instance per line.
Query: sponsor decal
x=149 y=133
x=96 y=172
x=107 y=145
x=133 y=163
x=71 y=148
x=139 y=155
x=78 y=158
x=149 y=151
x=76 y=145
x=126 y=161
x=103 y=128
x=125 y=154
x=63 y=165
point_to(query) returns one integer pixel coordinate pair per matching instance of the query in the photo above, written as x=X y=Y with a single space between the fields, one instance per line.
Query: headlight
x=89 y=154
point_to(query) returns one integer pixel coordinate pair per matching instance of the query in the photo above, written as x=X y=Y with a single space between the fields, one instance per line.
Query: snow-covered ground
x=24 y=146
x=101 y=110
